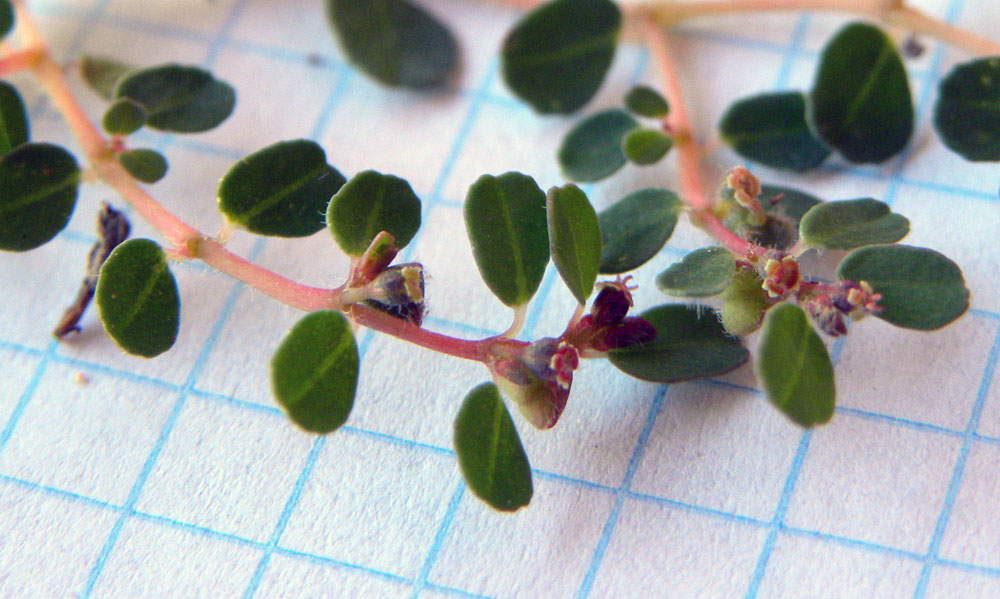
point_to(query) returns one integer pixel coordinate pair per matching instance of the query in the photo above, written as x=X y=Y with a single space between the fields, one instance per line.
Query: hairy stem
x=188 y=241
x=688 y=152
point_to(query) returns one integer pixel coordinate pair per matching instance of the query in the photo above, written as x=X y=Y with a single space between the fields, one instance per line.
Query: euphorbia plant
x=555 y=59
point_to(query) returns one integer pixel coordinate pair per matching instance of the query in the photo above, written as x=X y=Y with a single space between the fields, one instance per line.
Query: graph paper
x=179 y=478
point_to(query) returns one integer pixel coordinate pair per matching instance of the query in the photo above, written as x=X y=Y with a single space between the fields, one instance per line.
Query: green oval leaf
x=148 y=166
x=574 y=239
x=702 y=273
x=556 y=57
x=6 y=17
x=690 y=344
x=281 y=190
x=123 y=117
x=967 y=115
x=506 y=222
x=847 y=224
x=138 y=299
x=646 y=146
x=592 y=149
x=794 y=367
x=489 y=451
x=178 y=98
x=314 y=372
x=371 y=203
x=38 y=188
x=743 y=303
x=771 y=129
x=636 y=227
x=395 y=41
x=646 y=101
x=101 y=74
x=860 y=103
x=13 y=118
x=921 y=289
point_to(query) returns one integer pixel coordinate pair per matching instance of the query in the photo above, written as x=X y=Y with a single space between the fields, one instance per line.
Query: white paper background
x=177 y=477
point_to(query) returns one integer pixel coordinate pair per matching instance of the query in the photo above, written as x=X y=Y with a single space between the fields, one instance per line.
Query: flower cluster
x=844 y=299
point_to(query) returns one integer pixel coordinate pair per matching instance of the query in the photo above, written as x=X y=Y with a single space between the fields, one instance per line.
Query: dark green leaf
x=646 y=146
x=702 y=273
x=690 y=344
x=592 y=149
x=574 y=239
x=6 y=17
x=860 y=102
x=138 y=299
x=178 y=98
x=921 y=289
x=771 y=129
x=743 y=302
x=794 y=367
x=394 y=41
x=371 y=203
x=967 y=115
x=646 y=101
x=847 y=224
x=148 y=166
x=124 y=117
x=506 y=223
x=557 y=56
x=101 y=74
x=636 y=227
x=314 y=372
x=489 y=451
x=38 y=187
x=13 y=118
x=281 y=190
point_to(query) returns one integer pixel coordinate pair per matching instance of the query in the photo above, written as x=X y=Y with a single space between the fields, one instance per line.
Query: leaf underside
x=848 y=224
x=702 y=273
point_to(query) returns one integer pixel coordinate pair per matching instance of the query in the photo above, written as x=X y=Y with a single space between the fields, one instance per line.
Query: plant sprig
x=555 y=58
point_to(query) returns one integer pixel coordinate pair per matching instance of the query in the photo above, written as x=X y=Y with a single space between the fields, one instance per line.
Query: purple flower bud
x=610 y=306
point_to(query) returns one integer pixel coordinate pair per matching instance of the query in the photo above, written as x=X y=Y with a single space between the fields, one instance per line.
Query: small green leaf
x=395 y=41
x=489 y=451
x=646 y=146
x=506 y=222
x=6 y=17
x=646 y=101
x=101 y=74
x=38 y=188
x=690 y=344
x=921 y=289
x=178 y=98
x=556 y=57
x=636 y=227
x=314 y=372
x=702 y=273
x=794 y=367
x=967 y=115
x=13 y=118
x=847 y=224
x=771 y=129
x=281 y=190
x=124 y=117
x=148 y=166
x=138 y=299
x=574 y=239
x=371 y=203
x=592 y=150
x=743 y=303
x=860 y=102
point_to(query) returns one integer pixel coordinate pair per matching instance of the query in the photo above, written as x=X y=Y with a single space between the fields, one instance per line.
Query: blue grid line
x=329 y=561
x=21 y=349
x=849 y=542
x=340 y=87
x=27 y=395
x=154 y=454
x=286 y=515
x=61 y=493
x=956 y=477
x=621 y=493
x=975 y=568
x=282 y=54
x=420 y=583
x=456 y=592
x=793 y=52
x=697 y=509
x=201 y=531
x=221 y=38
x=115 y=372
